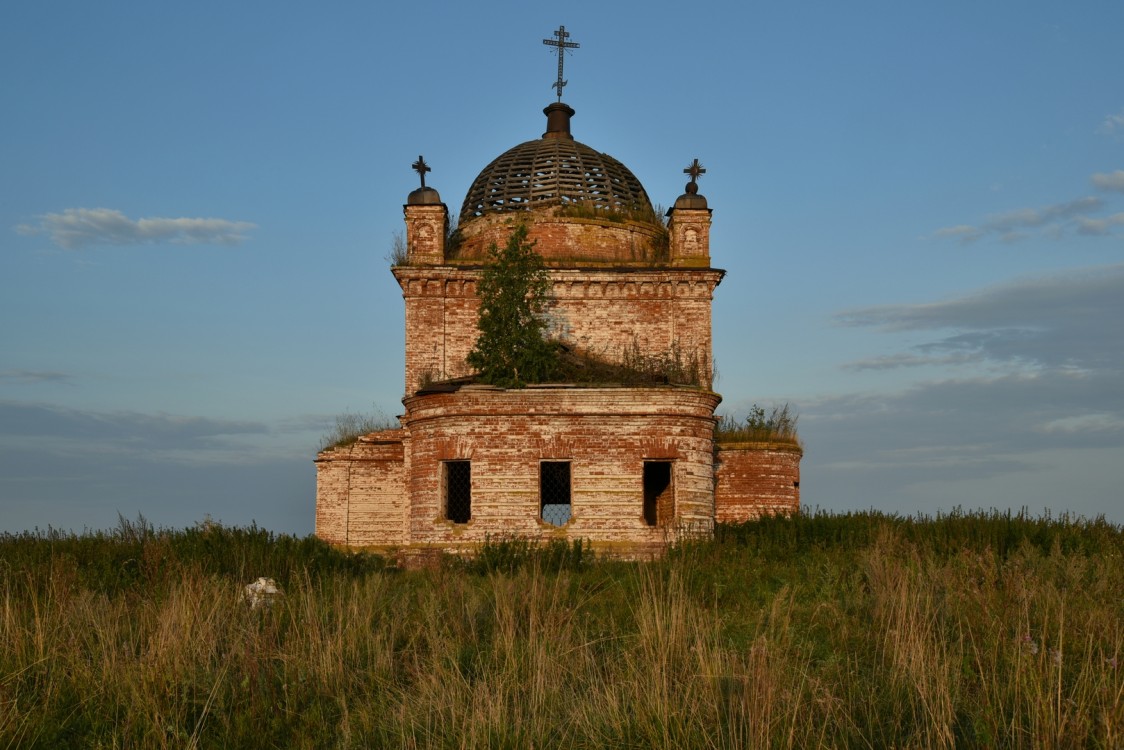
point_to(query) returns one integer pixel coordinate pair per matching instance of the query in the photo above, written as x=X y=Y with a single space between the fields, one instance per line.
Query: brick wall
x=360 y=491
x=425 y=233
x=605 y=433
x=690 y=237
x=601 y=311
x=441 y=312
x=567 y=240
x=755 y=479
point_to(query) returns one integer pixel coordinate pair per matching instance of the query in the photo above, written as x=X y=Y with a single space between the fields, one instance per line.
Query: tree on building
x=512 y=349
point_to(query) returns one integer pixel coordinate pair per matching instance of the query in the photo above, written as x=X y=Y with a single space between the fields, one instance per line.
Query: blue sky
x=920 y=208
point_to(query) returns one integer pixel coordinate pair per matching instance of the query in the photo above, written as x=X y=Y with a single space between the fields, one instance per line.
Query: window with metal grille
x=457 y=487
x=659 y=497
x=554 y=492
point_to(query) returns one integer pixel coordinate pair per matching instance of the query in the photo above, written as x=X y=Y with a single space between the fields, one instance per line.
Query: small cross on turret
x=421 y=168
x=561 y=45
x=695 y=170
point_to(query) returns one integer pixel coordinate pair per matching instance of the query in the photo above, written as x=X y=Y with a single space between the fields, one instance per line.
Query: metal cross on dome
x=561 y=45
x=421 y=168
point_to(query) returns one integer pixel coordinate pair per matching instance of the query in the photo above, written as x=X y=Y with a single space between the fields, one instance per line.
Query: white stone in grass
x=261 y=593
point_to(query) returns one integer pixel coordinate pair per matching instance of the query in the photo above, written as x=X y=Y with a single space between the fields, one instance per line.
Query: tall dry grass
x=891 y=636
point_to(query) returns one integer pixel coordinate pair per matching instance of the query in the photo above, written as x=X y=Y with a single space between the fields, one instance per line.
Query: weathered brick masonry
x=602 y=312
x=360 y=491
x=565 y=239
x=756 y=479
x=631 y=467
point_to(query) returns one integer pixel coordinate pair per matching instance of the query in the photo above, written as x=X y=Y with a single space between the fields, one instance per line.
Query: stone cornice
x=576 y=283
x=760 y=445
x=547 y=401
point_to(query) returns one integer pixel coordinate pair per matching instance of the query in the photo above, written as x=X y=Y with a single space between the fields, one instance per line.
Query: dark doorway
x=659 y=499
x=458 y=490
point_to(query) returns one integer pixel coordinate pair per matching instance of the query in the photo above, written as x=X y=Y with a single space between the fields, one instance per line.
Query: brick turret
x=689 y=226
x=427 y=219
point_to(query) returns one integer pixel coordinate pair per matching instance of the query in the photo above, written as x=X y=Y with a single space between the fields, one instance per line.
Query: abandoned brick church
x=621 y=465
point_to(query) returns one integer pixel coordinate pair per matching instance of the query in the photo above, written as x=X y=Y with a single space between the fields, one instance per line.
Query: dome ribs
x=553 y=172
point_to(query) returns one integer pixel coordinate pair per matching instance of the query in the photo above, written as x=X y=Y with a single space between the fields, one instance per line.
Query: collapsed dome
x=555 y=170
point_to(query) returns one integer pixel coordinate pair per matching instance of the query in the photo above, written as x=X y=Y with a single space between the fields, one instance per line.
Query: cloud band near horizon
x=74 y=228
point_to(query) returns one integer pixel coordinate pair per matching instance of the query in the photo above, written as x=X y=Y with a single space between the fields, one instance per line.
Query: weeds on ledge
x=778 y=426
x=588 y=210
x=633 y=367
x=399 y=254
x=350 y=426
x=637 y=367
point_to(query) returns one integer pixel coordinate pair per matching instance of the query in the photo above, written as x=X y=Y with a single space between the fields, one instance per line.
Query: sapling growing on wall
x=512 y=349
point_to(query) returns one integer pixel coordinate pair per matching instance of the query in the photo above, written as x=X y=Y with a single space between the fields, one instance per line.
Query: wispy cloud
x=120 y=430
x=1109 y=180
x=963 y=428
x=34 y=376
x=79 y=467
x=895 y=361
x=1099 y=227
x=962 y=232
x=1035 y=217
x=1091 y=422
x=1068 y=320
x=1053 y=220
x=81 y=227
x=1056 y=409
x=1112 y=124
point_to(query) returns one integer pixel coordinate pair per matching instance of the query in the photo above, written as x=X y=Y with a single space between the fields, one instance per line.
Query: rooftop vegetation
x=350 y=426
x=644 y=213
x=399 y=254
x=635 y=367
x=775 y=426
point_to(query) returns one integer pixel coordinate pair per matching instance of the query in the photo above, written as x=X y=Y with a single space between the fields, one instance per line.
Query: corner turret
x=689 y=224
x=427 y=222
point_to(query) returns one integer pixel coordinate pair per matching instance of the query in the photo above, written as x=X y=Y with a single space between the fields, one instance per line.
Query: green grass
x=631 y=368
x=776 y=426
x=350 y=426
x=643 y=213
x=634 y=367
x=823 y=630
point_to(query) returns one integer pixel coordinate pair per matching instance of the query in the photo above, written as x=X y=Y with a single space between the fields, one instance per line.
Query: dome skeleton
x=554 y=172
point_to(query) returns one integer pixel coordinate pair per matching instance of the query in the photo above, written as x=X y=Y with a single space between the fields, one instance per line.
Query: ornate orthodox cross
x=421 y=168
x=695 y=170
x=561 y=45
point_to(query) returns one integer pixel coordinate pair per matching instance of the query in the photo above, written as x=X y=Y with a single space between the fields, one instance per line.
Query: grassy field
x=858 y=630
